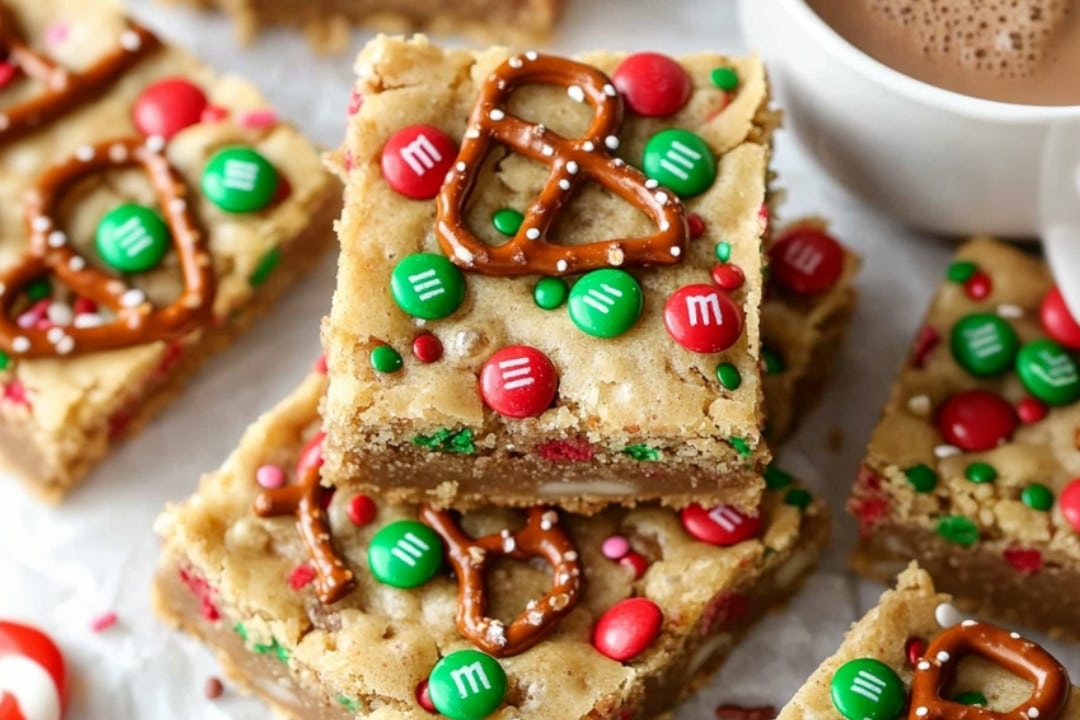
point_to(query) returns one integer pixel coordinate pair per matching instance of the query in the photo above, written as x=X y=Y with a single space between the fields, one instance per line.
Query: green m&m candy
x=605 y=303
x=868 y=689
x=1049 y=372
x=507 y=221
x=239 y=180
x=958 y=529
x=984 y=344
x=428 y=286
x=550 y=292
x=680 y=160
x=405 y=554
x=467 y=685
x=132 y=238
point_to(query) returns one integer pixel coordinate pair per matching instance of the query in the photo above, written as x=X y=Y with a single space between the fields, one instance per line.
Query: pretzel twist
x=572 y=162
x=50 y=251
x=333 y=578
x=541 y=537
x=64 y=89
x=1015 y=654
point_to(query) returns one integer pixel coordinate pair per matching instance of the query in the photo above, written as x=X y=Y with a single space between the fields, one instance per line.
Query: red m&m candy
x=703 y=319
x=168 y=106
x=653 y=85
x=1058 y=321
x=976 y=420
x=33 y=683
x=1069 y=502
x=806 y=261
x=312 y=454
x=416 y=159
x=721 y=525
x=518 y=382
x=627 y=628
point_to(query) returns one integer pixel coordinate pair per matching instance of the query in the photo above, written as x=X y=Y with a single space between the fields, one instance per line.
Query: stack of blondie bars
x=530 y=475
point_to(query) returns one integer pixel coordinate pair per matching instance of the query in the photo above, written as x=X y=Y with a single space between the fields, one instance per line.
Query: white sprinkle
x=676 y=251
x=59 y=313
x=155 y=143
x=664 y=224
x=572 y=167
x=54 y=334
x=532 y=233
x=531 y=55
x=919 y=405
x=968 y=623
x=1014 y=635
x=609 y=90
x=564 y=184
x=177 y=205
x=66 y=345
x=133 y=298
x=118 y=153
x=561 y=266
x=947 y=615
x=570 y=556
x=576 y=93
x=612 y=142
x=20 y=344
x=4 y=121
x=130 y=41
x=922 y=711
x=472 y=133
x=1008 y=310
x=946 y=451
x=943 y=657
x=496 y=114
x=618 y=162
x=56 y=239
x=76 y=263
x=88 y=320
x=461 y=166
x=923 y=665
x=464 y=255
x=547 y=150
x=41 y=224
x=1033 y=712
x=661 y=197
x=515 y=62
x=652 y=183
x=588 y=146
x=84 y=153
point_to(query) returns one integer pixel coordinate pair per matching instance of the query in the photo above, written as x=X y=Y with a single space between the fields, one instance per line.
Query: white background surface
x=60 y=568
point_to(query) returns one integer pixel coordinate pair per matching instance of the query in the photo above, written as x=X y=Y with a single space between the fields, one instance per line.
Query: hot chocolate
x=1018 y=51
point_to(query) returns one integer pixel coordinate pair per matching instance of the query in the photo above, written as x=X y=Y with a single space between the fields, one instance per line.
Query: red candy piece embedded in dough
x=415 y=160
x=976 y=420
x=33 y=681
x=703 y=319
x=1058 y=322
x=721 y=525
x=518 y=382
x=311 y=454
x=806 y=261
x=168 y=106
x=1069 y=502
x=627 y=628
x=652 y=84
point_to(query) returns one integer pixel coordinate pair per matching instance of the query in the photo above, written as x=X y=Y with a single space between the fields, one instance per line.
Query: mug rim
x=874 y=69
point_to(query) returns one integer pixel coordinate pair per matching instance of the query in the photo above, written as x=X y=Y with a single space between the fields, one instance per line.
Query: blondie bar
x=550 y=322
x=338 y=605
x=149 y=208
x=915 y=655
x=974 y=468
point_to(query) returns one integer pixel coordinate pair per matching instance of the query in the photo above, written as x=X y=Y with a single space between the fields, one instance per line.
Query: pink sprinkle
x=356 y=101
x=8 y=71
x=320 y=365
x=615 y=547
x=301 y=576
x=213 y=114
x=57 y=33
x=270 y=477
x=15 y=393
x=36 y=312
x=103 y=622
x=257 y=119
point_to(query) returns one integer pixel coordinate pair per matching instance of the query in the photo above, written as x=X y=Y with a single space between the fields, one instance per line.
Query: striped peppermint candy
x=32 y=678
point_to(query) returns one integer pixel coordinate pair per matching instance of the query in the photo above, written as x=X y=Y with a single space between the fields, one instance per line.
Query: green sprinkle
x=507 y=221
x=774 y=363
x=240 y=630
x=980 y=472
x=266 y=265
x=550 y=293
x=768 y=551
x=729 y=376
x=349 y=704
x=274 y=647
x=386 y=359
x=960 y=271
x=39 y=289
x=776 y=479
x=725 y=78
x=741 y=446
x=799 y=498
x=5 y=360
x=971 y=698
x=958 y=529
x=723 y=251
x=921 y=477
x=642 y=452
x=446 y=440
x=1037 y=497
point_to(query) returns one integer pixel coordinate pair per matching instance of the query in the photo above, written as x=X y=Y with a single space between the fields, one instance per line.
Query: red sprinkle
x=301 y=576
x=627 y=628
x=1025 y=560
x=979 y=286
x=213 y=689
x=636 y=562
x=103 y=622
x=728 y=276
x=423 y=696
x=1030 y=410
x=427 y=348
x=320 y=365
x=201 y=589
x=723 y=610
x=362 y=509
x=575 y=450
x=696 y=224
x=356 y=101
x=914 y=649
x=15 y=393
x=8 y=71
x=740 y=712
x=213 y=114
x=257 y=119
x=83 y=305
x=925 y=342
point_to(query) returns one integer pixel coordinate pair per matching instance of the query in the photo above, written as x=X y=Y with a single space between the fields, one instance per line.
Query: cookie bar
x=974 y=468
x=352 y=611
x=550 y=322
x=328 y=21
x=149 y=208
x=809 y=300
x=915 y=655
